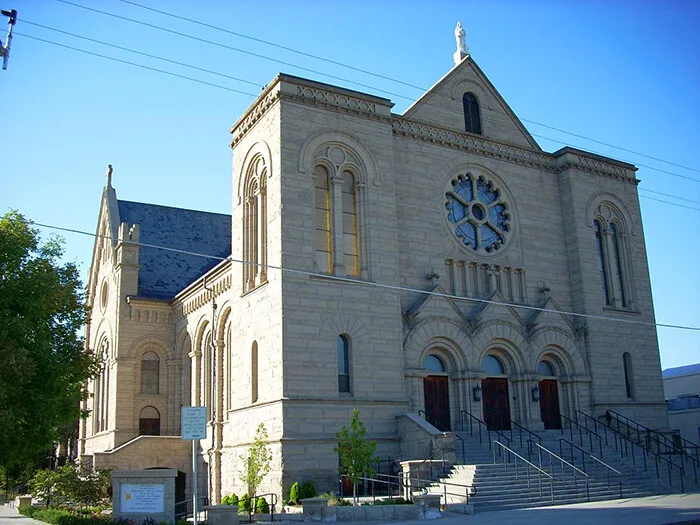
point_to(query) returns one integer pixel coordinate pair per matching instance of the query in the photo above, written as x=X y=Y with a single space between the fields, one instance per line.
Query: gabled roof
x=164 y=273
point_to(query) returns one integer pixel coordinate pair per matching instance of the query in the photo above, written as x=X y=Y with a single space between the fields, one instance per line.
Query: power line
x=351 y=280
x=364 y=71
x=273 y=44
x=137 y=65
x=220 y=86
x=156 y=57
x=669 y=195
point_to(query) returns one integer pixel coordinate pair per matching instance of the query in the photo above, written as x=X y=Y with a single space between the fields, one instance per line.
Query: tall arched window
x=254 y=373
x=150 y=373
x=350 y=248
x=629 y=375
x=255 y=225
x=343 y=364
x=149 y=422
x=617 y=263
x=472 y=115
x=322 y=220
x=602 y=261
x=338 y=198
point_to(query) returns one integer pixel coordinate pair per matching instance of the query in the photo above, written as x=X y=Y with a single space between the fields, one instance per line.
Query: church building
x=426 y=268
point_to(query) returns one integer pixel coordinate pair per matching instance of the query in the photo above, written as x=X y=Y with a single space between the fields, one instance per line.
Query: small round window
x=477 y=213
x=104 y=295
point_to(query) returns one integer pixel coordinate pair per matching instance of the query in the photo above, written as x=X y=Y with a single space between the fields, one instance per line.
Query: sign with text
x=194 y=422
x=146 y=498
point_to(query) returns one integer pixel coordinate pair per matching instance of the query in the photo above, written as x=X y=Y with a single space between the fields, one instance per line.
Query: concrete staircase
x=500 y=485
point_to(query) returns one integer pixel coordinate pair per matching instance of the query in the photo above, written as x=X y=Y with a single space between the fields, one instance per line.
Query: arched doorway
x=549 y=396
x=149 y=422
x=436 y=393
x=494 y=398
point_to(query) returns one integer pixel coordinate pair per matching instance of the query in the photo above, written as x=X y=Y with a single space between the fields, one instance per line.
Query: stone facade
x=401 y=237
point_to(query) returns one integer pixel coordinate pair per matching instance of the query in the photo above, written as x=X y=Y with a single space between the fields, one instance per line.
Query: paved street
x=652 y=510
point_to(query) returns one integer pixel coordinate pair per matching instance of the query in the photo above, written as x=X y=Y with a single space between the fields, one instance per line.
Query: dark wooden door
x=437 y=402
x=495 y=402
x=549 y=404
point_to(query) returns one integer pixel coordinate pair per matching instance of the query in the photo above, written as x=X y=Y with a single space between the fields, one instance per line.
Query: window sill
x=340 y=279
x=258 y=287
x=621 y=310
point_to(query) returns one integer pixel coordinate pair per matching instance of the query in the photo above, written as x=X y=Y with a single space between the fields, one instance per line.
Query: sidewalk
x=652 y=510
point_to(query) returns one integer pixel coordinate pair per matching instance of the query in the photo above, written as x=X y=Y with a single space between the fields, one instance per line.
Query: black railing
x=183 y=509
x=519 y=460
x=627 y=448
x=592 y=460
x=529 y=434
x=254 y=504
x=583 y=431
x=482 y=429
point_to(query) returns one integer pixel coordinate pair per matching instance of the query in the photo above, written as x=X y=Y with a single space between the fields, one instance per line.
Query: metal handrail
x=563 y=462
x=527 y=471
x=527 y=431
x=253 y=504
x=187 y=502
x=481 y=423
x=404 y=482
x=622 y=439
x=590 y=433
x=585 y=453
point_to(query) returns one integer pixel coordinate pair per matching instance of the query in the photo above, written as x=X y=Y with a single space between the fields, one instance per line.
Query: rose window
x=477 y=213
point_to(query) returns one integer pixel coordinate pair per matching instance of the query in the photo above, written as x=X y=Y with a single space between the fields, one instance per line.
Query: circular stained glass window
x=477 y=214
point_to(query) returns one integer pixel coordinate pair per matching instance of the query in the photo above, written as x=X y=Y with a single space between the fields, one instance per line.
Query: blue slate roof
x=164 y=273
x=681 y=371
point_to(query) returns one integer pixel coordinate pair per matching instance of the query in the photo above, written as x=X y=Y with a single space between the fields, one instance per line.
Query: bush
x=294 y=493
x=308 y=490
x=244 y=503
x=51 y=515
x=27 y=510
x=395 y=501
x=74 y=519
x=261 y=506
x=231 y=499
x=333 y=500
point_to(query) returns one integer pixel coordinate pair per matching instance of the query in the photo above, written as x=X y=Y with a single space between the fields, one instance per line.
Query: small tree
x=356 y=452
x=257 y=463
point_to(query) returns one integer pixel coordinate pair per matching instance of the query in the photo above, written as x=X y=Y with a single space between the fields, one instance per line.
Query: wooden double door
x=494 y=399
x=437 y=401
x=549 y=404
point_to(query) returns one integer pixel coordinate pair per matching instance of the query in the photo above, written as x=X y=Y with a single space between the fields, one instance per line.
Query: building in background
x=433 y=254
x=682 y=393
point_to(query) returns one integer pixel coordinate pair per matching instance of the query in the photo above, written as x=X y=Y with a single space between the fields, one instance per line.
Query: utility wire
x=370 y=284
x=156 y=57
x=669 y=195
x=137 y=65
x=366 y=72
x=227 y=88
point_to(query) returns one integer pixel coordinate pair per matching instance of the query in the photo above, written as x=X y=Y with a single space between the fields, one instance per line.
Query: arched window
x=255 y=225
x=350 y=248
x=343 y=364
x=150 y=373
x=492 y=366
x=254 y=373
x=338 y=198
x=433 y=364
x=602 y=261
x=472 y=115
x=149 y=422
x=613 y=256
x=545 y=368
x=322 y=220
x=629 y=375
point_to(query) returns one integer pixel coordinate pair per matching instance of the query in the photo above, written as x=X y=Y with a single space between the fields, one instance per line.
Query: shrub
x=261 y=506
x=395 y=501
x=51 y=515
x=74 y=519
x=294 y=493
x=231 y=499
x=27 y=510
x=244 y=503
x=308 y=490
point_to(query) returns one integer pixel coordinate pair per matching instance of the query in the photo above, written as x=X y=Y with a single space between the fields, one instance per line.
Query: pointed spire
x=462 y=49
x=109 y=175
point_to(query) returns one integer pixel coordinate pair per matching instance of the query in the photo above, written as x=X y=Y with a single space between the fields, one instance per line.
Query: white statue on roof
x=462 y=49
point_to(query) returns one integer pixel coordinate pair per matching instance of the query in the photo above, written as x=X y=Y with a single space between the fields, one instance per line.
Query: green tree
x=356 y=452
x=45 y=365
x=71 y=483
x=257 y=463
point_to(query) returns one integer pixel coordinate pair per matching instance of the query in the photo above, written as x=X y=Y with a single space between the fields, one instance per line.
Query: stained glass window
x=472 y=116
x=479 y=215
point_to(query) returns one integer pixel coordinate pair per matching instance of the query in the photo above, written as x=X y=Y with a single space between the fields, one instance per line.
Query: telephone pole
x=5 y=49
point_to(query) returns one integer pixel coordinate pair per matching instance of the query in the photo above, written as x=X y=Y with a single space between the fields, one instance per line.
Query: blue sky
x=623 y=72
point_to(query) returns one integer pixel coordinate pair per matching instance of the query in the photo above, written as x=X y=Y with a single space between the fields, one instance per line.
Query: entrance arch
x=494 y=398
x=549 y=396
x=436 y=393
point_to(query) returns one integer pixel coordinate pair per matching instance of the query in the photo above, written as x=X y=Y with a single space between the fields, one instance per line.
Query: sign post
x=194 y=428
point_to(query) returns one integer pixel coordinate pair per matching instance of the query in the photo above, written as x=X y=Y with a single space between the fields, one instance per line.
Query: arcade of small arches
x=503 y=389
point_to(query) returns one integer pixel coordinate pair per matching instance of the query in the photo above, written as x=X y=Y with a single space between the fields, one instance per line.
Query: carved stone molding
x=255 y=113
x=203 y=297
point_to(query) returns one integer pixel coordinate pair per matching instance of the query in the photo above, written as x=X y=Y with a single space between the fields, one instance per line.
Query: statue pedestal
x=459 y=56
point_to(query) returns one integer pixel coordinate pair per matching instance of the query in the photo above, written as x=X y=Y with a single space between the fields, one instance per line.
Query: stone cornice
x=253 y=115
x=219 y=280
x=339 y=102
x=555 y=163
